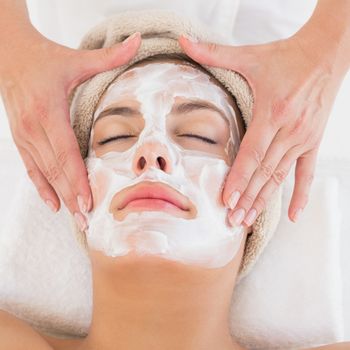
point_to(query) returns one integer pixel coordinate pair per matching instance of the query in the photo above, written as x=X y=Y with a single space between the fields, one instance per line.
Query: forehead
x=169 y=76
x=160 y=68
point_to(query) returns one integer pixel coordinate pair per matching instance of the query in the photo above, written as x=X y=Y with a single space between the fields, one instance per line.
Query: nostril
x=162 y=163
x=148 y=161
x=142 y=162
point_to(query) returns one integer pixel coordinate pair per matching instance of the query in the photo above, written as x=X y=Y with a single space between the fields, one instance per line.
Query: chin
x=148 y=269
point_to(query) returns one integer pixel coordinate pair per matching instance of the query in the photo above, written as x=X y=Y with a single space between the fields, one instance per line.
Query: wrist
x=16 y=43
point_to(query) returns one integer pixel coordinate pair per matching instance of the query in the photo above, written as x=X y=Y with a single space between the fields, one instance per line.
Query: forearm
x=15 y=25
x=328 y=33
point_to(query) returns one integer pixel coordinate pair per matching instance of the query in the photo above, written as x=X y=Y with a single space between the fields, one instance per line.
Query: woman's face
x=163 y=138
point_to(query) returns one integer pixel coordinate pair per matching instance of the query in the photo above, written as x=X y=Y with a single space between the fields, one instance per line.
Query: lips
x=151 y=196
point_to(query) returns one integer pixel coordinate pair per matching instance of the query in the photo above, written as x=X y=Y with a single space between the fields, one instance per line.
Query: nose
x=152 y=155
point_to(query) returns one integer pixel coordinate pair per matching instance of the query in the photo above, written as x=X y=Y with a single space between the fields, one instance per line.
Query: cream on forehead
x=207 y=240
x=155 y=85
x=169 y=78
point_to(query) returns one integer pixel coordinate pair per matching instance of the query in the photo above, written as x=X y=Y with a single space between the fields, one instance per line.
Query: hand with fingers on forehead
x=37 y=77
x=294 y=83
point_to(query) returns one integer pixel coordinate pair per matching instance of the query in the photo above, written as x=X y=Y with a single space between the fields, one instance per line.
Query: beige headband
x=160 y=31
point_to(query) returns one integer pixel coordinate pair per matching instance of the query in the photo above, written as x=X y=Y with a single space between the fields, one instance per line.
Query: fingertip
x=233 y=199
x=90 y=203
x=250 y=217
x=229 y=188
x=226 y=199
x=188 y=39
x=56 y=204
x=82 y=203
x=182 y=39
x=182 y=42
x=132 y=39
x=191 y=46
x=295 y=214
x=51 y=200
x=51 y=205
x=123 y=53
x=185 y=45
x=226 y=194
x=85 y=202
x=291 y=218
x=128 y=51
x=80 y=220
x=107 y=58
x=229 y=217
x=291 y=211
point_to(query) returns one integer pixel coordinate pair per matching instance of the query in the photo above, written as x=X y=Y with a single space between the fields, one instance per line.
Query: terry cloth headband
x=160 y=31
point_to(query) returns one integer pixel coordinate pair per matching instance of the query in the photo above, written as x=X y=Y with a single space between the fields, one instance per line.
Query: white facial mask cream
x=206 y=239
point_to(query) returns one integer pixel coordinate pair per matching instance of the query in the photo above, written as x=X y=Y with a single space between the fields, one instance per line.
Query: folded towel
x=293 y=298
x=45 y=275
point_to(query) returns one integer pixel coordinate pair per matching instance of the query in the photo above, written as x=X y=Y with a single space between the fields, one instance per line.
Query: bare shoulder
x=337 y=346
x=16 y=334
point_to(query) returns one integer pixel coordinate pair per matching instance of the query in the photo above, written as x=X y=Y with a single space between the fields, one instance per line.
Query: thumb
x=212 y=54
x=92 y=62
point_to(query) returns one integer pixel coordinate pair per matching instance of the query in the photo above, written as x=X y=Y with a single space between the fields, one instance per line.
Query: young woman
x=164 y=258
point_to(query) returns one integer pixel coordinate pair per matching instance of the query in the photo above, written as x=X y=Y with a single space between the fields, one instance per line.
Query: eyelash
x=120 y=137
x=114 y=138
x=203 y=138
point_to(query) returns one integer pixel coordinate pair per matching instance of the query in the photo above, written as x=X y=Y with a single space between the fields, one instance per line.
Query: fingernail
x=82 y=205
x=233 y=199
x=130 y=38
x=80 y=220
x=250 y=217
x=190 y=38
x=90 y=203
x=51 y=205
x=237 y=217
x=297 y=214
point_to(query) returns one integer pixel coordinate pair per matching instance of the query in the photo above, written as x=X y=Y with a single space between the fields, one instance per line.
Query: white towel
x=293 y=298
x=45 y=275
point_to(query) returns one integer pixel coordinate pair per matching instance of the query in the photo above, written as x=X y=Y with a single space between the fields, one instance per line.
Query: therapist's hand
x=36 y=78
x=294 y=83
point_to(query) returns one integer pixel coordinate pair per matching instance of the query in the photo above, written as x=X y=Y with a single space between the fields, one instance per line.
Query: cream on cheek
x=206 y=240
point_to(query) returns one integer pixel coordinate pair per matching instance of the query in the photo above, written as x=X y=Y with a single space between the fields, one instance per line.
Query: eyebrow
x=188 y=107
x=121 y=110
x=181 y=108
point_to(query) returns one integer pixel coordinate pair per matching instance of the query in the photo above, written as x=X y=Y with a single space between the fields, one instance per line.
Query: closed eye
x=121 y=137
x=114 y=138
x=202 y=138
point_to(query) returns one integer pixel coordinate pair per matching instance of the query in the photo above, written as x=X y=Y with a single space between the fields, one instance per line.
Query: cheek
x=213 y=185
x=99 y=185
x=208 y=175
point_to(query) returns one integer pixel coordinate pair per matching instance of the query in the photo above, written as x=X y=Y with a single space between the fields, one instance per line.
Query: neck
x=152 y=303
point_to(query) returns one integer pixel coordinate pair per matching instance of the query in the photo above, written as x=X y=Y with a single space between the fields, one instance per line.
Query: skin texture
x=294 y=82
